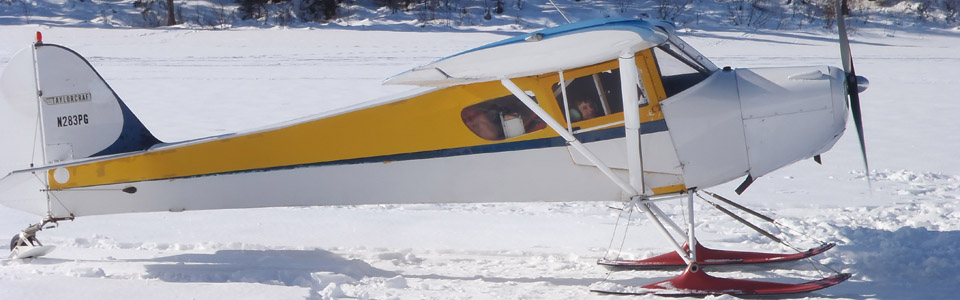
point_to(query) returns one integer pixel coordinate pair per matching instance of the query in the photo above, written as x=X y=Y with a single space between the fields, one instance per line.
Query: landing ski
x=710 y=257
x=23 y=252
x=696 y=282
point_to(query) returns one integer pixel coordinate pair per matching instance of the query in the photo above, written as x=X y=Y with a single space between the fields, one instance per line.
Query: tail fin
x=80 y=116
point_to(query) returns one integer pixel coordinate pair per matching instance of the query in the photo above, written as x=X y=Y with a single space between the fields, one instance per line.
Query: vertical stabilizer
x=80 y=115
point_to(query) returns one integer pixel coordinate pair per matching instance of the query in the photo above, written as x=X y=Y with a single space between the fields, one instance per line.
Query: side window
x=676 y=74
x=593 y=96
x=501 y=118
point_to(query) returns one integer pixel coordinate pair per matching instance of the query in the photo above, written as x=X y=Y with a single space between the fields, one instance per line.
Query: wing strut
x=631 y=119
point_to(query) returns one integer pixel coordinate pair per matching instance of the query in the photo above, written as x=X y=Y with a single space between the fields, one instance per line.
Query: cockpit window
x=593 y=96
x=677 y=72
x=501 y=118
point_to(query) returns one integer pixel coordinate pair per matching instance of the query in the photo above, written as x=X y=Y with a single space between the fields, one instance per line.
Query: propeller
x=855 y=84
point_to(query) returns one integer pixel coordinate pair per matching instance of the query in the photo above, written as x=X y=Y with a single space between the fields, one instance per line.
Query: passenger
x=481 y=124
x=586 y=110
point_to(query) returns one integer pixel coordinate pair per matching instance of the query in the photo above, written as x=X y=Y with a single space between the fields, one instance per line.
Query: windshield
x=681 y=66
x=677 y=47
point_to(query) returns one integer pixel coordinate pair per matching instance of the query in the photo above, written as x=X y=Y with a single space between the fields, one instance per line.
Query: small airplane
x=601 y=110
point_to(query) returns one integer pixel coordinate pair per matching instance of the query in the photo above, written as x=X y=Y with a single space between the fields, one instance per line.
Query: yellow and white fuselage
x=466 y=138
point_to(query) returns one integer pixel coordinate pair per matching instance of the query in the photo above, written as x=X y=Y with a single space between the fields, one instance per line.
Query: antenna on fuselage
x=560 y=11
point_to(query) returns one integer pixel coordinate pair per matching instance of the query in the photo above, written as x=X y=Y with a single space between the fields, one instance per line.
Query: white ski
x=22 y=252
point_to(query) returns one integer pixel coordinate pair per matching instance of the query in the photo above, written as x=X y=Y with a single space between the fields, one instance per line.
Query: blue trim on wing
x=562 y=29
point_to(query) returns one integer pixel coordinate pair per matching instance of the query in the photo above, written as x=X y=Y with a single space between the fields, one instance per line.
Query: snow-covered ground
x=900 y=241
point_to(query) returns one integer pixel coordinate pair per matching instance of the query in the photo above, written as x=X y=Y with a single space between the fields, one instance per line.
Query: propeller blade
x=851 y=77
x=857 y=118
x=844 y=41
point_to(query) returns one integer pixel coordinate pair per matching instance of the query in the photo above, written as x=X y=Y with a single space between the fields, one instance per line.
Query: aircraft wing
x=545 y=51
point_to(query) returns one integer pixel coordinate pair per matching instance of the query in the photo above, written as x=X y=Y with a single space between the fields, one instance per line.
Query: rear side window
x=501 y=118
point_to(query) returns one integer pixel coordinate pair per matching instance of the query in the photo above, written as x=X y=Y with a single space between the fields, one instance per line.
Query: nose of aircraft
x=790 y=114
x=754 y=121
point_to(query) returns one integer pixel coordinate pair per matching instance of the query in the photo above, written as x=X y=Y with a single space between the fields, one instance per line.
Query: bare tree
x=669 y=9
x=221 y=15
x=171 y=20
x=27 y=9
x=950 y=8
x=753 y=13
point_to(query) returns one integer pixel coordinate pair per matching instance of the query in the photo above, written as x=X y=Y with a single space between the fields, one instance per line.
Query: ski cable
x=616 y=226
x=36 y=132
x=761 y=216
x=751 y=225
x=629 y=206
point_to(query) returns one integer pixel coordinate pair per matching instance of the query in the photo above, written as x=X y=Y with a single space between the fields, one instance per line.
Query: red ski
x=710 y=257
x=694 y=281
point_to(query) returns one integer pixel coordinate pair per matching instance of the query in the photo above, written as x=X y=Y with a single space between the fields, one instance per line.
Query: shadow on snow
x=901 y=264
x=313 y=269
x=305 y=268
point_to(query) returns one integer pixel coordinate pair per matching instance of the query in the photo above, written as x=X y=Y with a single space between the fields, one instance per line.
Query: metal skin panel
x=660 y=164
x=789 y=114
x=706 y=125
x=768 y=92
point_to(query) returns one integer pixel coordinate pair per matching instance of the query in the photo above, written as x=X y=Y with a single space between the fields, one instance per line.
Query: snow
x=899 y=240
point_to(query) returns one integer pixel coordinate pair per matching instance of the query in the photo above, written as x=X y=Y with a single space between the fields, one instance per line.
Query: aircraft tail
x=65 y=105
x=54 y=109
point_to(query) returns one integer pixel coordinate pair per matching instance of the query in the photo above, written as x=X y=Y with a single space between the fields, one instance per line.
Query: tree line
x=775 y=14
